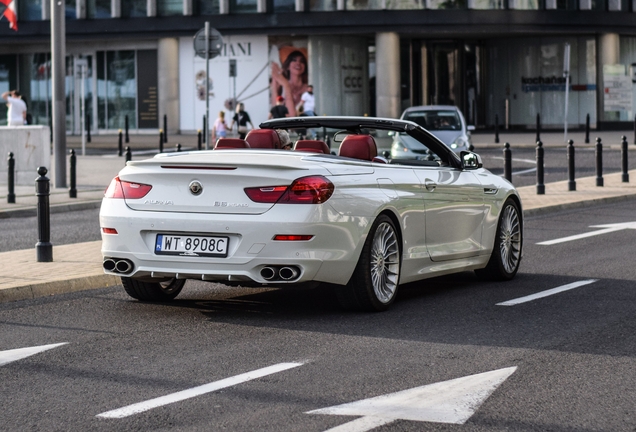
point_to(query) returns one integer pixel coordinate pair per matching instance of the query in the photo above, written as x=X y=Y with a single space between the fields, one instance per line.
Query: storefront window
x=40 y=89
x=133 y=8
x=70 y=10
x=385 y=4
x=322 y=5
x=568 y=4
x=98 y=8
x=243 y=6
x=8 y=81
x=524 y=4
x=169 y=7
x=284 y=5
x=206 y=7
x=116 y=89
x=30 y=10
x=487 y=4
x=446 y=4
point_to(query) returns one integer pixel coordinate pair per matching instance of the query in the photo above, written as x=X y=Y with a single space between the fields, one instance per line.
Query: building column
x=387 y=81
x=168 y=80
x=608 y=53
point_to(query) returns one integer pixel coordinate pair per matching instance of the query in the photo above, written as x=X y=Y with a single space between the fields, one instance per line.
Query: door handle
x=430 y=185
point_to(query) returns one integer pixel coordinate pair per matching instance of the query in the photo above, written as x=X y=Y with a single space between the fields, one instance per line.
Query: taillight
x=126 y=190
x=305 y=190
x=293 y=237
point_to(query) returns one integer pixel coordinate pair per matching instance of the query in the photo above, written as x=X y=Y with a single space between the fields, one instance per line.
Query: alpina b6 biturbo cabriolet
x=250 y=213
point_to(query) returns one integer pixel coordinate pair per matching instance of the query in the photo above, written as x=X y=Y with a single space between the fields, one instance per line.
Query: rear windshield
x=435 y=120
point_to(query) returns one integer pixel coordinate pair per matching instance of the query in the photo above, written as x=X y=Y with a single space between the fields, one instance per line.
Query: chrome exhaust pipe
x=288 y=273
x=109 y=264
x=123 y=266
x=268 y=273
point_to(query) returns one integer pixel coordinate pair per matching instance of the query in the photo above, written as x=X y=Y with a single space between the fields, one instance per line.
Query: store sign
x=617 y=89
x=536 y=84
x=147 y=90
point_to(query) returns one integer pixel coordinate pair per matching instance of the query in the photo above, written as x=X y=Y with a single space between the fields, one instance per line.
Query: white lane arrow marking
x=453 y=401
x=546 y=293
x=608 y=228
x=196 y=391
x=20 y=353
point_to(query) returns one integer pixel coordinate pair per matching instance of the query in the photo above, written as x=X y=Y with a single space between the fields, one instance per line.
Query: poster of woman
x=289 y=76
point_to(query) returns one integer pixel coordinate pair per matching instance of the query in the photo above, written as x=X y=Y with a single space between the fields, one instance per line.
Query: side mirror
x=470 y=128
x=470 y=160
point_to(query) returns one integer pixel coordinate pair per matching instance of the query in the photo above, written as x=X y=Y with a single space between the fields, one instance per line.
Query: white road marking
x=546 y=293
x=20 y=353
x=196 y=391
x=608 y=228
x=453 y=401
x=529 y=161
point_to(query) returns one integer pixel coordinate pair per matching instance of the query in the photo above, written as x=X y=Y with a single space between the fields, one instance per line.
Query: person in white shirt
x=17 y=108
x=308 y=102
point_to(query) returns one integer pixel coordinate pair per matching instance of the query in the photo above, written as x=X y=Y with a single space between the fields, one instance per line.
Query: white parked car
x=445 y=122
x=252 y=214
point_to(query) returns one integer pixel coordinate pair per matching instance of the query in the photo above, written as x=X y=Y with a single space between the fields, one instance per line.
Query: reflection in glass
x=134 y=8
x=70 y=10
x=116 y=89
x=284 y=5
x=524 y=4
x=488 y=4
x=40 y=91
x=385 y=4
x=98 y=8
x=169 y=7
x=30 y=10
x=8 y=78
x=322 y=5
x=206 y=7
x=446 y=4
x=243 y=6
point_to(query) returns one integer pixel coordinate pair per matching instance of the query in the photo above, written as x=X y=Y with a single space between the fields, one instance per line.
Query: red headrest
x=263 y=138
x=313 y=146
x=230 y=143
x=358 y=147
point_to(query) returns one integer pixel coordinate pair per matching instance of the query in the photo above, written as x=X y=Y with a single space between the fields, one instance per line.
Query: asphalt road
x=574 y=352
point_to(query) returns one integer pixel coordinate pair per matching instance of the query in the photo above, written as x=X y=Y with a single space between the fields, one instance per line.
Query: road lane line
x=580 y=236
x=546 y=293
x=196 y=391
x=363 y=424
x=20 y=353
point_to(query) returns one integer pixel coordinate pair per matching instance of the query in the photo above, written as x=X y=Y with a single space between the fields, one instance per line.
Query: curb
x=540 y=211
x=29 y=292
x=55 y=208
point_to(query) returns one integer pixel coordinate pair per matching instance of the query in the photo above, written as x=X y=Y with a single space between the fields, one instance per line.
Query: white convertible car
x=252 y=214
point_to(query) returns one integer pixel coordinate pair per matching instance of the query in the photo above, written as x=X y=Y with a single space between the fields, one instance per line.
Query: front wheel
x=374 y=284
x=506 y=254
x=153 y=291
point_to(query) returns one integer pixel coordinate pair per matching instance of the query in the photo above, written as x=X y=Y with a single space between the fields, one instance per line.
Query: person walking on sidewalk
x=16 y=115
x=219 y=129
x=241 y=118
x=279 y=110
x=308 y=101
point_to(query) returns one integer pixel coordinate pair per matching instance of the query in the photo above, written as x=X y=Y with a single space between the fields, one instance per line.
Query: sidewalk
x=78 y=266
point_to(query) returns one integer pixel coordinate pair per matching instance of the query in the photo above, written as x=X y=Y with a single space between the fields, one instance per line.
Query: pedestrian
x=241 y=118
x=16 y=115
x=279 y=110
x=219 y=129
x=308 y=101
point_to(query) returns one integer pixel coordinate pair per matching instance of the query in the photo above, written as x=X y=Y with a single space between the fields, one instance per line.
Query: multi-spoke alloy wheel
x=375 y=281
x=506 y=254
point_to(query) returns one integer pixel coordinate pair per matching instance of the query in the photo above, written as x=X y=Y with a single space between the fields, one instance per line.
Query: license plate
x=187 y=245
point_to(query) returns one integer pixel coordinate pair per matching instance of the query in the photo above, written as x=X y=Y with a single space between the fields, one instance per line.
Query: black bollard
x=587 y=129
x=496 y=129
x=128 y=154
x=205 y=132
x=538 y=128
x=625 y=176
x=120 y=148
x=11 y=179
x=540 y=185
x=72 y=192
x=43 y=248
x=571 y=181
x=165 y=128
x=634 y=129
x=178 y=147
x=126 y=129
x=507 y=153
x=160 y=141
x=599 y=162
x=88 y=128
x=199 y=139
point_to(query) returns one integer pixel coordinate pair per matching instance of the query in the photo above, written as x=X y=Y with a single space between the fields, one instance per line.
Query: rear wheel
x=506 y=254
x=374 y=284
x=153 y=291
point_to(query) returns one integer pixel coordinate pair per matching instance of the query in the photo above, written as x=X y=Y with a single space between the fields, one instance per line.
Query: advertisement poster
x=617 y=89
x=289 y=72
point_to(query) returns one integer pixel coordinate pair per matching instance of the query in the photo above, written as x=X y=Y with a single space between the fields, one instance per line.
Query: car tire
x=153 y=291
x=506 y=254
x=373 y=286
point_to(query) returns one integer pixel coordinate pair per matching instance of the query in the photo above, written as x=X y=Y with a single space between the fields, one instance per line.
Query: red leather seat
x=230 y=143
x=358 y=147
x=313 y=146
x=263 y=138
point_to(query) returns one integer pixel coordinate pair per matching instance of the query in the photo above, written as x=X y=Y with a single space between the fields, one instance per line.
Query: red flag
x=9 y=13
